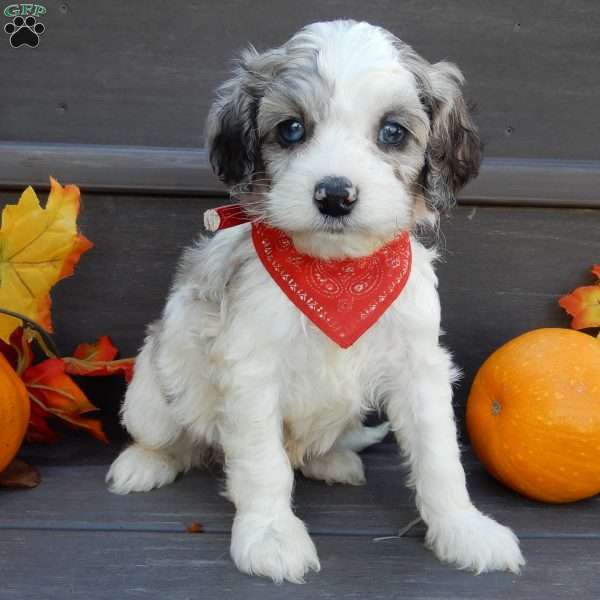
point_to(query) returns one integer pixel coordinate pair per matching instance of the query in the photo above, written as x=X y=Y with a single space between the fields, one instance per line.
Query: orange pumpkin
x=533 y=415
x=14 y=412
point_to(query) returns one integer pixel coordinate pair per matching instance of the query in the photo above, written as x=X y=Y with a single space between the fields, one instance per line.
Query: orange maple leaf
x=51 y=390
x=39 y=431
x=98 y=359
x=583 y=304
x=18 y=351
x=101 y=350
x=38 y=247
x=55 y=393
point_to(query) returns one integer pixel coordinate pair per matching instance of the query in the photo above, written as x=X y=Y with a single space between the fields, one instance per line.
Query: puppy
x=342 y=139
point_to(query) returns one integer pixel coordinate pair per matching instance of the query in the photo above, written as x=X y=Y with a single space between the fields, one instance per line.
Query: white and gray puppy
x=233 y=365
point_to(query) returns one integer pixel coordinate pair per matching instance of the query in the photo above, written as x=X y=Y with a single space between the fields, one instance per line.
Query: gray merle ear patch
x=24 y=32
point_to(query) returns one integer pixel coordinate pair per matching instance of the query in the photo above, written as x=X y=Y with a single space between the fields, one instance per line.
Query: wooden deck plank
x=152 y=85
x=70 y=538
x=73 y=496
x=186 y=171
x=123 y=566
x=503 y=267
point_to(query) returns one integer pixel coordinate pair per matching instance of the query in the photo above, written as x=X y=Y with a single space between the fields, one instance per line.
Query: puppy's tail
x=362 y=437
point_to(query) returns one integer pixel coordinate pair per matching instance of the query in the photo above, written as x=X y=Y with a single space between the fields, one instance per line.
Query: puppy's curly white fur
x=232 y=364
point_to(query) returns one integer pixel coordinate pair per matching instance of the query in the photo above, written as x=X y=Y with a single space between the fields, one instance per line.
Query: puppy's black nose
x=335 y=196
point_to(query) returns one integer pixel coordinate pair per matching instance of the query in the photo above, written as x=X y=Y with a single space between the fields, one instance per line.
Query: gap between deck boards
x=186 y=171
x=73 y=497
x=417 y=533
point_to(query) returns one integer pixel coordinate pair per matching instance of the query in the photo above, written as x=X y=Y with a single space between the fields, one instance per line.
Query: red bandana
x=343 y=298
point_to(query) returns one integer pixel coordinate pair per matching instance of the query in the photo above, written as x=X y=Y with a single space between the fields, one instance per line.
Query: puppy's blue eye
x=290 y=132
x=391 y=133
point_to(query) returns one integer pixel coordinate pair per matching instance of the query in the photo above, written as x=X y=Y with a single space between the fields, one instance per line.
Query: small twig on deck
x=401 y=532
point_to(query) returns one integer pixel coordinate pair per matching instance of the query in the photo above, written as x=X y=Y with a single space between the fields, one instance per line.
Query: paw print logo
x=24 y=32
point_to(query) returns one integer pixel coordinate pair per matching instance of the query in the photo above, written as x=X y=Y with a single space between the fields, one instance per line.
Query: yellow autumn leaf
x=38 y=247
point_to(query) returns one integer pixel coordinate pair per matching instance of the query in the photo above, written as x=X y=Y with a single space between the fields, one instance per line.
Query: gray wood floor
x=70 y=538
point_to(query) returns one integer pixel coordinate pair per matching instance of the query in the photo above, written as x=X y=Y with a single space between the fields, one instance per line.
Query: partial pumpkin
x=533 y=415
x=14 y=413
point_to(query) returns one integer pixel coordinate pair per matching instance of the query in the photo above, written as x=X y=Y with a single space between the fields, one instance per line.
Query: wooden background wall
x=115 y=96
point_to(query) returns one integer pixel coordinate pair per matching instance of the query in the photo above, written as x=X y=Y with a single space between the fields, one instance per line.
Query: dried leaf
x=583 y=304
x=19 y=474
x=49 y=381
x=98 y=359
x=596 y=271
x=195 y=527
x=56 y=394
x=103 y=350
x=18 y=351
x=38 y=247
x=39 y=431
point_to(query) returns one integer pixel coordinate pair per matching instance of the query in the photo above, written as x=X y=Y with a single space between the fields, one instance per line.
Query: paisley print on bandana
x=343 y=298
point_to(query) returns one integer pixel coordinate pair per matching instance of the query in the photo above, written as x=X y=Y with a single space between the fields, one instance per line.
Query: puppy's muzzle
x=335 y=196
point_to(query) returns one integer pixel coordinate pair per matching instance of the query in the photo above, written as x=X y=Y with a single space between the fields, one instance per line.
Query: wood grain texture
x=378 y=509
x=502 y=272
x=142 y=73
x=185 y=171
x=70 y=538
x=109 y=565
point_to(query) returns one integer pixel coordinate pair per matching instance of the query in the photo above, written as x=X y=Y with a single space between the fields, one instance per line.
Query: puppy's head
x=342 y=137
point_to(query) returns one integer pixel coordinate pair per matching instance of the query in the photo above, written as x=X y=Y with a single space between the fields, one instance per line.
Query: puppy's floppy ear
x=231 y=125
x=454 y=150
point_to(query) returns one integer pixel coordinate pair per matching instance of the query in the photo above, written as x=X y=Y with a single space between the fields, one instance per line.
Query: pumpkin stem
x=40 y=335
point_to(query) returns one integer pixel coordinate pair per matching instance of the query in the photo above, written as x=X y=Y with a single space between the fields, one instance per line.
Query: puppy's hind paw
x=277 y=547
x=336 y=466
x=138 y=469
x=471 y=540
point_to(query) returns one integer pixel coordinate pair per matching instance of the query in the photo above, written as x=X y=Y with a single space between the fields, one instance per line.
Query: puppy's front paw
x=470 y=540
x=138 y=469
x=277 y=547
